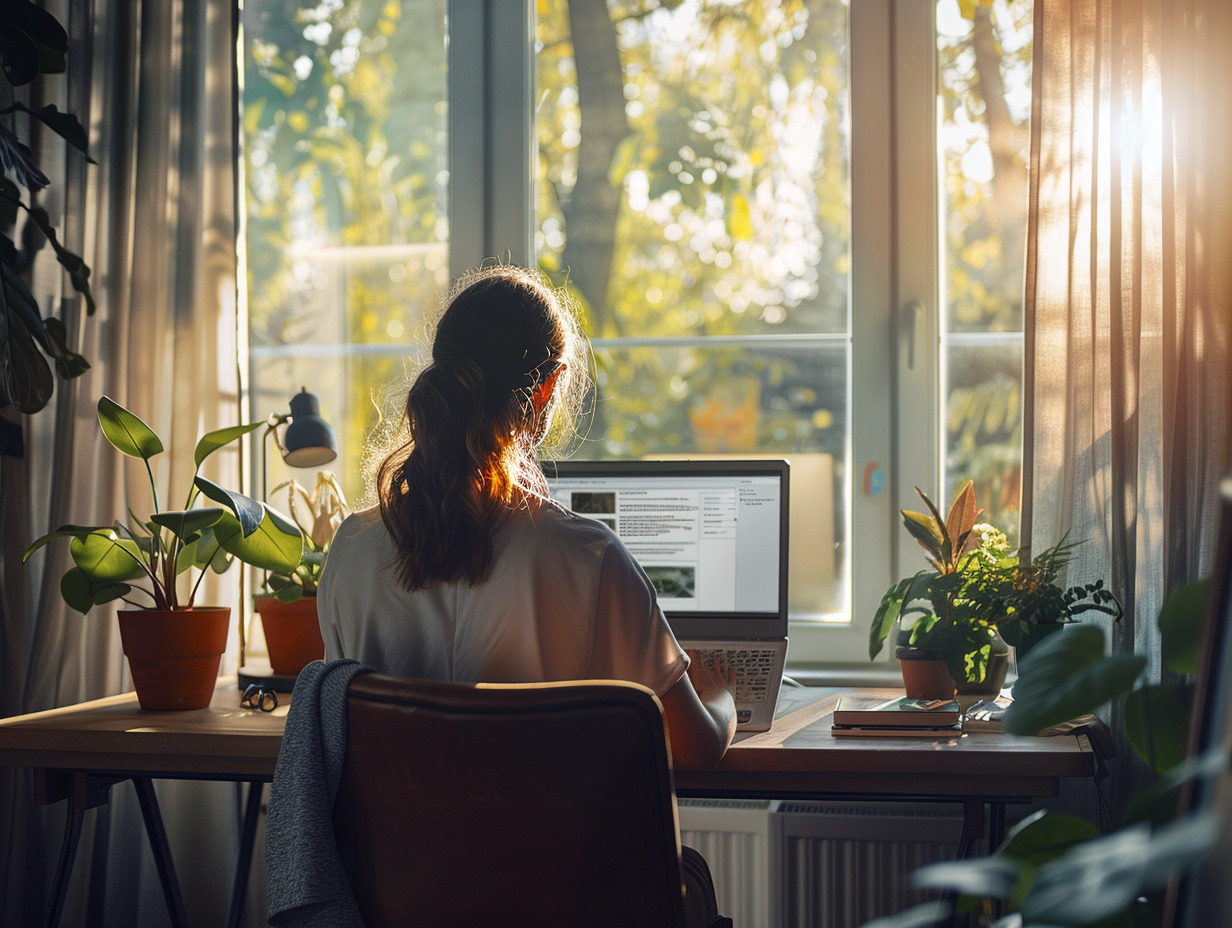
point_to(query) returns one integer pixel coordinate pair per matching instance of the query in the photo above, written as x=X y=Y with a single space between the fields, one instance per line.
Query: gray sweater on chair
x=306 y=885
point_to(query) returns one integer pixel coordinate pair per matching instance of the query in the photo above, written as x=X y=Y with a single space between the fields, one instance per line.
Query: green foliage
x=1066 y=676
x=317 y=514
x=1059 y=870
x=1181 y=626
x=113 y=561
x=32 y=42
x=976 y=588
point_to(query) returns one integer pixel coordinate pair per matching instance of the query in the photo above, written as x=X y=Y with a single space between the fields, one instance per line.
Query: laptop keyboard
x=753 y=668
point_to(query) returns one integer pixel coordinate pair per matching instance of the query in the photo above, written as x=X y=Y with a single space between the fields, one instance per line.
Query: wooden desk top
x=114 y=734
x=798 y=756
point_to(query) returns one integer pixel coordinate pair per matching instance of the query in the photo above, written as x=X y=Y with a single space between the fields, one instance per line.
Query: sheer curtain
x=1129 y=293
x=152 y=81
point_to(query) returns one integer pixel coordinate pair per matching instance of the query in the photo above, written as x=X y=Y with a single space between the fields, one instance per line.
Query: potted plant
x=289 y=610
x=173 y=645
x=975 y=601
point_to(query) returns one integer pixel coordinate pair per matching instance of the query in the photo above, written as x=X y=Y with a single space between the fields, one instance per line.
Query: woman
x=466 y=571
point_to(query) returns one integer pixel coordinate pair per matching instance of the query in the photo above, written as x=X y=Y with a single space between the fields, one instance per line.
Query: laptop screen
x=711 y=535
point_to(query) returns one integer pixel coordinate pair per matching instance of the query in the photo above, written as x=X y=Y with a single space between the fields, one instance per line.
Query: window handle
x=911 y=314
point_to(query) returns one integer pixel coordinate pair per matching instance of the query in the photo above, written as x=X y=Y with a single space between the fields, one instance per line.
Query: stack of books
x=900 y=717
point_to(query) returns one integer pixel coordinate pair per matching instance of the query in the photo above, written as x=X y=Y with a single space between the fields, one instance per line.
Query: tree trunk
x=591 y=209
x=1005 y=141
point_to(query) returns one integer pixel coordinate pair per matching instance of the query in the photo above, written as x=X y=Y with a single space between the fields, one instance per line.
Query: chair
x=511 y=804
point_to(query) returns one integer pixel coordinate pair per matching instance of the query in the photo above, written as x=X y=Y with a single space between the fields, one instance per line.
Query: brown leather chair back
x=503 y=805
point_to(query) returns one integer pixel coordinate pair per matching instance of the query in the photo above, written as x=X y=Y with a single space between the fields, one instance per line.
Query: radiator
x=817 y=864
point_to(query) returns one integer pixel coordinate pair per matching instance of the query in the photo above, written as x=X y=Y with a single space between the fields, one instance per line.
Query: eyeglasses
x=259 y=696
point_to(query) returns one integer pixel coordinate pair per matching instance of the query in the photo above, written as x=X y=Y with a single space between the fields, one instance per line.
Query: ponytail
x=469 y=458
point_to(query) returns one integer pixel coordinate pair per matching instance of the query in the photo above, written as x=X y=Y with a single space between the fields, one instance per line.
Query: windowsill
x=868 y=674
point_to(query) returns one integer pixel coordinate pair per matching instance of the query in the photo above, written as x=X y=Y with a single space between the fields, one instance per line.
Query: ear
x=543 y=391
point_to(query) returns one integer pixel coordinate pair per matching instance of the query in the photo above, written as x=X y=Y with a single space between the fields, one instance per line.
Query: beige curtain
x=1129 y=292
x=152 y=82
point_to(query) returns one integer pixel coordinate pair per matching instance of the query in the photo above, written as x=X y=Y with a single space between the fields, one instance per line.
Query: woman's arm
x=700 y=713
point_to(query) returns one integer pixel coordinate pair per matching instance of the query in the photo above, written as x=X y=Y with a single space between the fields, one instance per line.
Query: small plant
x=147 y=557
x=977 y=588
x=326 y=507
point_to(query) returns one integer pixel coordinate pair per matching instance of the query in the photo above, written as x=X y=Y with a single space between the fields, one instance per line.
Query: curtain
x=152 y=82
x=1128 y=294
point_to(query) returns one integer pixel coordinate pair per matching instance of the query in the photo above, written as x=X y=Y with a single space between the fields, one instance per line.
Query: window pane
x=345 y=200
x=984 y=60
x=693 y=188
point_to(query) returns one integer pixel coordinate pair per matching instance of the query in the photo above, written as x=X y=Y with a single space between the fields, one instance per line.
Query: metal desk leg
x=162 y=851
x=996 y=825
x=243 y=867
x=973 y=826
x=75 y=813
x=82 y=791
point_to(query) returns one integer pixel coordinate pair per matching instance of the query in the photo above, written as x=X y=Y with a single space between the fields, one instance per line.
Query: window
x=795 y=229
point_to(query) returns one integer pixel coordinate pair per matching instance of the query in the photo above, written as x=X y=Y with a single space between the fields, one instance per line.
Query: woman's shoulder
x=361 y=529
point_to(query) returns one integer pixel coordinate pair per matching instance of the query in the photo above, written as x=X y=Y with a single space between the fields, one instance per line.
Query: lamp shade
x=309 y=441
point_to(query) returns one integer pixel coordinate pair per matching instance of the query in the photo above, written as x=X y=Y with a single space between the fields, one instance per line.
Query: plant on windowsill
x=289 y=610
x=977 y=599
x=173 y=645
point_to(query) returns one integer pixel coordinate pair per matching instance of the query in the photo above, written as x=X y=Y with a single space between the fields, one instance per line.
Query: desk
x=78 y=752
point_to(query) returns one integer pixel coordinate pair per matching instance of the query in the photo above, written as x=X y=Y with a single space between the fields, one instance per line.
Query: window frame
x=894 y=312
x=894 y=320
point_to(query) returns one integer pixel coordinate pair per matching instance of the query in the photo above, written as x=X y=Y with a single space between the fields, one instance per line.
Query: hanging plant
x=32 y=42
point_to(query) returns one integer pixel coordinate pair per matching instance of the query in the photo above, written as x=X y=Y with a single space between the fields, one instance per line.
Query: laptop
x=712 y=537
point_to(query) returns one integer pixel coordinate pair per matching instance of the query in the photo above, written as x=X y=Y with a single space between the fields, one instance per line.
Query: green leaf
x=25 y=376
x=247 y=510
x=212 y=441
x=1065 y=676
x=107 y=558
x=64 y=125
x=290 y=593
x=77 y=590
x=1102 y=877
x=987 y=877
x=186 y=523
x=1044 y=836
x=78 y=271
x=886 y=615
x=276 y=544
x=64 y=531
x=926 y=530
x=1157 y=724
x=69 y=364
x=1182 y=624
x=126 y=432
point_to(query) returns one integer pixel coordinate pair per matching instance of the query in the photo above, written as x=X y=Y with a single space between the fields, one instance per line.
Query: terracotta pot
x=291 y=632
x=926 y=675
x=174 y=654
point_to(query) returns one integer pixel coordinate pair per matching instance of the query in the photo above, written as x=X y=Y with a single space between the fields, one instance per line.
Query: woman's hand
x=709 y=679
x=700 y=711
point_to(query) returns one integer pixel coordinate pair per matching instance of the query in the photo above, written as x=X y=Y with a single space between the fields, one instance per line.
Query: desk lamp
x=307 y=441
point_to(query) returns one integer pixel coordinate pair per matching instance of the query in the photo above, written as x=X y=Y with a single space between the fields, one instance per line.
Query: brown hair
x=473 y=428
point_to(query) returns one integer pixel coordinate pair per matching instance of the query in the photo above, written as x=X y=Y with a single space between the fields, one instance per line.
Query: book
x=892 y=731
x=897 y=712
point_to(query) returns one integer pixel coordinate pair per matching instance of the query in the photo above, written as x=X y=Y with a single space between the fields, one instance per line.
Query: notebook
x=712 y=537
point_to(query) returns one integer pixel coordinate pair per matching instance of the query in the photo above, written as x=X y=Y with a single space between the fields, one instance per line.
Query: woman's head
x=508 y=368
